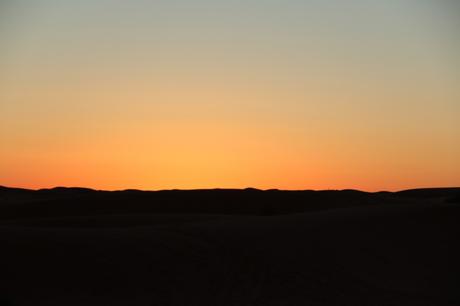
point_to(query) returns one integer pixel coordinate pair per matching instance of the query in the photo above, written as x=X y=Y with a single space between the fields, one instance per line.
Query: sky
x=288 y=94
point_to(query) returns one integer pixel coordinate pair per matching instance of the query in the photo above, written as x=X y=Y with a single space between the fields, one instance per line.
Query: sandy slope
x=395 y=255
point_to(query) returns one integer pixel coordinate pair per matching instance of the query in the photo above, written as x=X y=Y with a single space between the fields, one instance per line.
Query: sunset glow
x=230 y=94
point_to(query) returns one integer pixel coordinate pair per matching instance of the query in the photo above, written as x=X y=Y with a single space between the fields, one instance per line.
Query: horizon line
x=220 y=188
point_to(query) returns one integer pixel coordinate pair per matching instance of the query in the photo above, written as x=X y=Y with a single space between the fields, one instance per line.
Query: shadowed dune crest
x=75 y=246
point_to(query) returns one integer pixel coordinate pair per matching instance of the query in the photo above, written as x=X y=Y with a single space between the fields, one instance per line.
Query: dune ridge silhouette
x=77 y=246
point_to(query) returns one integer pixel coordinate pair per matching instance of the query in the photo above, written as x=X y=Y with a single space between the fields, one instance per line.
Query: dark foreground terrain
x=74 y=246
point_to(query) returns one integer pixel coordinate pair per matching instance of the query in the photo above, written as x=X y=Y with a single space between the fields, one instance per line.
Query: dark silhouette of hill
x=77 y=246
x=60 y=201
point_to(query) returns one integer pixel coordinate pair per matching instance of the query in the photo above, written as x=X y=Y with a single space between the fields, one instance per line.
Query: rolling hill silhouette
x=77 y=246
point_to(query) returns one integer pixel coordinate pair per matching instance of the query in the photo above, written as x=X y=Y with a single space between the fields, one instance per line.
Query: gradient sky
x=289 y=94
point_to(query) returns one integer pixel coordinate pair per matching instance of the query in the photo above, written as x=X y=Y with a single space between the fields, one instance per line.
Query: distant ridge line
x=250 y=189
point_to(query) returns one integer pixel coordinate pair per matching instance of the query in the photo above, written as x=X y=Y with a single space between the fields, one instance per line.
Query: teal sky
x=362 y=94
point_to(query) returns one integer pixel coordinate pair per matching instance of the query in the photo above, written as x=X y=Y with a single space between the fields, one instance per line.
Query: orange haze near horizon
x=227 y=94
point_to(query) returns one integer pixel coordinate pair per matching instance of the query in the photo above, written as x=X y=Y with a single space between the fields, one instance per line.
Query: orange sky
x=225 y=94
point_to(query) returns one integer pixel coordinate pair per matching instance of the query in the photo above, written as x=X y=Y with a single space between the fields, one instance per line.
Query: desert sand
x=229 y=247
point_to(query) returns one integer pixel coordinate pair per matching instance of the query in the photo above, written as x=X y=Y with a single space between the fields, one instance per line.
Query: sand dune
x=401 y=254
